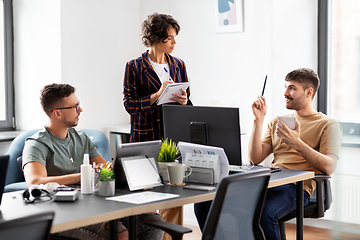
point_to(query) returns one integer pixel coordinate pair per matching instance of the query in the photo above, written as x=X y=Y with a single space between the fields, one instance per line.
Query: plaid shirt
x=140 y=81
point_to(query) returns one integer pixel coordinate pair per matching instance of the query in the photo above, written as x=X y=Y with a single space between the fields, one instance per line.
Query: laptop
x=149 y=149
x=4 y=162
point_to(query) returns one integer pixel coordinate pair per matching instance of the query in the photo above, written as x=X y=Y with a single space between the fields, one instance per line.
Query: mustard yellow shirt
x=318 y=131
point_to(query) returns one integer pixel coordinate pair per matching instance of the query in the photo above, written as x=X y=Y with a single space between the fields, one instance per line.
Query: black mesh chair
x=235 y=211
x=320 y=202
x=33 y=227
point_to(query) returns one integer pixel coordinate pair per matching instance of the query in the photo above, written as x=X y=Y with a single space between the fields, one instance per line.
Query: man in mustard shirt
x=313 y=145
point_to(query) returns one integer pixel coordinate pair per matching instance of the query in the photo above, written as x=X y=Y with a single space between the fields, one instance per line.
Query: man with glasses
x=55 y=153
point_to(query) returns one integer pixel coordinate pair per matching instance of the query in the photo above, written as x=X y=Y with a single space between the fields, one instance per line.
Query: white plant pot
x=164 y=170
x=106 y=188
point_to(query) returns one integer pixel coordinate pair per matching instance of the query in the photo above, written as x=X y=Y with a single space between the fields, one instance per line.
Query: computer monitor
x=213 y=126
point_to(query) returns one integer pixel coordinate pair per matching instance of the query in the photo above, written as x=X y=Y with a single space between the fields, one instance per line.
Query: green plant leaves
x=168 y=151
x=106 y=174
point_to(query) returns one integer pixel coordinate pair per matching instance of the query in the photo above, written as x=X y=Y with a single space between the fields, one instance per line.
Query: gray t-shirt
x=59 y=156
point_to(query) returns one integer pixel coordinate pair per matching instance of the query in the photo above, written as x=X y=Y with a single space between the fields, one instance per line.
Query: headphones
x=31 y=195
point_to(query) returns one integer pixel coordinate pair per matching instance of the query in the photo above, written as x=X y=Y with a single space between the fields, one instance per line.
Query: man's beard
x=291 y=104
x=71 y=123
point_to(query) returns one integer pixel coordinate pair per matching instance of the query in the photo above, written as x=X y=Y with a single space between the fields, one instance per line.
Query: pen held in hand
x=168 y=74
x=263 y=90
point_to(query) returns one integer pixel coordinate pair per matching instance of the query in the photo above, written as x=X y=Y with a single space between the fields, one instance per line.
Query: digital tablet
x=141 y=172
x=148 y=148
x=289 y=121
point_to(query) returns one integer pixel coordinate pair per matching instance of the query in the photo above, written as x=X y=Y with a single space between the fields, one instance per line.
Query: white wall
x=37 y=57
x=85 y=43
x=98 y=37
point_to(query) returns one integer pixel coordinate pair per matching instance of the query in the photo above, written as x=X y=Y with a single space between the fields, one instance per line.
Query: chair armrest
x=19 y=161
x=328 y=194
x=323 y=193
x=176 y=231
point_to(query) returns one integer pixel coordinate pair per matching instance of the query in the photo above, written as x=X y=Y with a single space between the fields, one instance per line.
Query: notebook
x=4 y=162
x=169 y=90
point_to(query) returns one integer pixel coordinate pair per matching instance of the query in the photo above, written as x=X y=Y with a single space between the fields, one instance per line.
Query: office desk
x=91 y=209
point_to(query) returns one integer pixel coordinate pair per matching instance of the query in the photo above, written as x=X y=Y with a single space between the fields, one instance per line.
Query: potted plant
x=106 y=182
x=167 y=154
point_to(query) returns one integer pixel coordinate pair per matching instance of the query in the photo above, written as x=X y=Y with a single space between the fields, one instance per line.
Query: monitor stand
x=199 y=133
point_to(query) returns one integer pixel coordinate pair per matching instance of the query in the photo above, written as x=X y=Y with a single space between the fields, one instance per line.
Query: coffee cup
x=177 y=173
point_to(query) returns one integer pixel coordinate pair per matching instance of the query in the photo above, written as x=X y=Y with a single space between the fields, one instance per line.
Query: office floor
x=309 y=233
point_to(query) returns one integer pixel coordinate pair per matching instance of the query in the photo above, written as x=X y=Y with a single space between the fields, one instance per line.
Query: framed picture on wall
x=229 y=16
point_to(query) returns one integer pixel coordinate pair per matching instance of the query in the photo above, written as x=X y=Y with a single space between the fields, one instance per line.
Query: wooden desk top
x=91 y=209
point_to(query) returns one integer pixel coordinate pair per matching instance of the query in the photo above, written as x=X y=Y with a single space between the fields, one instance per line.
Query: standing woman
x=145 y=80
x=147 y=77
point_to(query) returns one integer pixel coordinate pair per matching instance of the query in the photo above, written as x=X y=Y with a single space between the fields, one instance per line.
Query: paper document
x=142 y=197
x=185 y=147
x=169 y=90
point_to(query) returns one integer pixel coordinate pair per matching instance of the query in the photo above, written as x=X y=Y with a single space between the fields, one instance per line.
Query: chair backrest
x=16 y=147
x=4 y=162
x=101 y=142
x=33 y=227
x=236 y=209
x=15 y=151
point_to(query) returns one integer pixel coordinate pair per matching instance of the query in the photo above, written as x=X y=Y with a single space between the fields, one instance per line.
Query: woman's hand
x=180 y=98
x=164 y=85
x=155 y=96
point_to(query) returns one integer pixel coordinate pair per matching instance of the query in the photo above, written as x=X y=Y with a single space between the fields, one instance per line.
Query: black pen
x=262 y=94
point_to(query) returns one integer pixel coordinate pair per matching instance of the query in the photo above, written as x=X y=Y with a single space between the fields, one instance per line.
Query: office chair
x=15 y=178
x=33 y=227
x=320 y=201
x=235 y=211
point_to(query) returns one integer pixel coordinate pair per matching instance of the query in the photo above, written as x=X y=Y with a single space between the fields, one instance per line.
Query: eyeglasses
x=77 y=107
x=247 y=166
